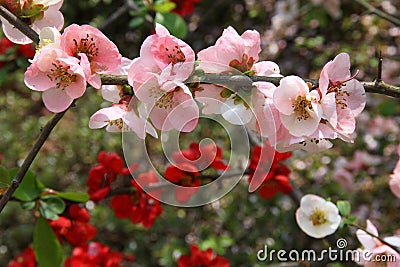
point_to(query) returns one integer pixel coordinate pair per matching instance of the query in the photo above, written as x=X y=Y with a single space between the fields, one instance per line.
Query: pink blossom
x=112 y=93
x=373 y=248
x=58 y=75
x=394 y=182
x=164 y=55
x=121 y=117
x=298 y=108
x=157 y=78
x=170 y=105
x=37 y=13
x=96 y=52
x=232 y=50
x=343 y=97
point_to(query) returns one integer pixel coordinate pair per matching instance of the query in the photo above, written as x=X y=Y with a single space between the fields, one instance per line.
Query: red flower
x=74 y=226
x=27 y=50
x=102 y=175
x=276 y=179
x=184 y=7
x=138 y=206
x=25 y=259
x=200 y=258
x=204 y=156
x=183 y=174
x=96 y=254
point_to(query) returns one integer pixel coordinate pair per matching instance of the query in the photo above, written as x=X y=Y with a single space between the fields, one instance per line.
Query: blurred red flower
x=200 y=258
x=96 y=254
x=25 y=259
x=276 y=179
x=74 y=226
x=184 y=7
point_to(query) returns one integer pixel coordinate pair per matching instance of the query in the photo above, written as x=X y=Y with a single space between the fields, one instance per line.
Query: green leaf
x=28 y=205
x=344 y=207
x=350 y=220
x=174 y=23
x=45 y=244
x=51 y=206
x=136 y=22
x=164 y=6
x=73 y=196
x=28 y=190
x=5 y=178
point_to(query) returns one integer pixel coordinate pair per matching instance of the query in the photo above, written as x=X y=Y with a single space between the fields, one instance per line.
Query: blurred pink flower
x=394 y=182
x=37 y=13
x=96 y=52
x=58 y=75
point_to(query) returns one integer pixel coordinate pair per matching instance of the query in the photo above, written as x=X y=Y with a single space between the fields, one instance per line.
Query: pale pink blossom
x=162 y=54
x=37 y=13
x=96 y=52
x=58 y=75
x=394 y=182
x=121 y=118
x=342 y=97
x=373 y=248
x=231 y=50
x=317 y=217
x=169 y=104
x=298 y=108
x=157 y=78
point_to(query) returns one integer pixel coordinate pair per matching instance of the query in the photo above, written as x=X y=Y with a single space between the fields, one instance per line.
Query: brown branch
x=19 y=24
x=241 y=81
x=379 y=12
x=44 y=134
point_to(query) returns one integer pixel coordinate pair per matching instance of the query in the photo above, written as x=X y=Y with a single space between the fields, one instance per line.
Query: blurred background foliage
x=300 y=36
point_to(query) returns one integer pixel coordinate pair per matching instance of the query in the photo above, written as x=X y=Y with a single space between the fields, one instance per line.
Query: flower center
x=300 y=106
x=318 y=217
x=176 y=55
x=244 y=65
x=119 y=123
x=86 y=46
x=61 y=75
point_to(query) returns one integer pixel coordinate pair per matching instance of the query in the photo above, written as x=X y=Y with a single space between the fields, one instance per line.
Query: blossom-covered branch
x=378 y=87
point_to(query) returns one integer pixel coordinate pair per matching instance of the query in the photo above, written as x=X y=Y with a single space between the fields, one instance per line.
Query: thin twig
x=379 y=74
x=19 y=24
x=44 y=134
x=379 y=12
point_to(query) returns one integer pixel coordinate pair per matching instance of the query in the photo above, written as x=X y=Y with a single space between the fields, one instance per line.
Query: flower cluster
x=203 y=258
x=266 y=166
x=188 y=165
x=303 y=117
x=74 y=227
x=102 y=175
x=138 y=206
x=64 y=64
x=97 y=254
x=25 y=259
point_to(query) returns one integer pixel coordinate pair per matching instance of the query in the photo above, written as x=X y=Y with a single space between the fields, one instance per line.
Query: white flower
x=317 y=217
